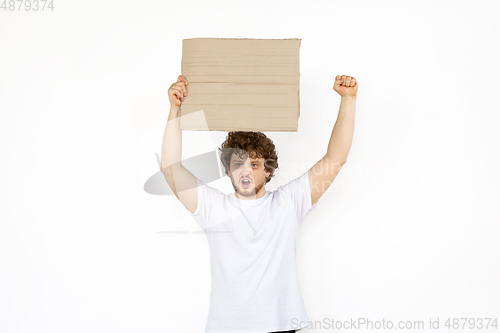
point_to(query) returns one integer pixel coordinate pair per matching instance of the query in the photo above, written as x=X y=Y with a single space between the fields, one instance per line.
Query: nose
x=246 y=170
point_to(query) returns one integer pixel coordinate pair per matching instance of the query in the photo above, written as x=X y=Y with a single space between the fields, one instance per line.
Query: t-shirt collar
x=251 y=202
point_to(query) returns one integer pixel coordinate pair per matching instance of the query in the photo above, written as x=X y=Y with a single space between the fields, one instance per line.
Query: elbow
x=165 y=168
x=335 y=160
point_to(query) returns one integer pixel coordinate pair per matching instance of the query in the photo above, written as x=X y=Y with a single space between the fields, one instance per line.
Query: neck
x=260 y=194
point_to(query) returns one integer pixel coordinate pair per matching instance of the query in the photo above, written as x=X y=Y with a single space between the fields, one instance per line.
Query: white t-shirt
x=255 y=287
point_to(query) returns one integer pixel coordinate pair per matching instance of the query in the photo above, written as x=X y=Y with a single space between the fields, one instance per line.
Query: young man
x=252 y=232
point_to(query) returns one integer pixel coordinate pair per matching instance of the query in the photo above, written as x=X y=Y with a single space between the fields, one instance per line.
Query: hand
x=345 y=85
x=177 y=91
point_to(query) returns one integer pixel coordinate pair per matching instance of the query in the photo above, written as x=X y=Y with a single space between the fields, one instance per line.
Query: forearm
x=171 y=149
x=343 y=131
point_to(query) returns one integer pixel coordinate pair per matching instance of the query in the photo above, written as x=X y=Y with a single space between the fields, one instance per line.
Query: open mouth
x=245 y=183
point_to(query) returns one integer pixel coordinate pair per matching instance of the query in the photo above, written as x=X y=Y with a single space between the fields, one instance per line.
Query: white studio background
x=409 y=230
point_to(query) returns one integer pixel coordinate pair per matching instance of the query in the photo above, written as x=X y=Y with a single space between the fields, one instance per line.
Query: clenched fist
x=345 y=85
x=177 y=91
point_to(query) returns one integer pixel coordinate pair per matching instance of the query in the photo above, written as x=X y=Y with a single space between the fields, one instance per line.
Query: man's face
x=248 y=176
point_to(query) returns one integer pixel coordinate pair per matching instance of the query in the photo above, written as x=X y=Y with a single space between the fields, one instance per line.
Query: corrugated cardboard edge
x=298 y=92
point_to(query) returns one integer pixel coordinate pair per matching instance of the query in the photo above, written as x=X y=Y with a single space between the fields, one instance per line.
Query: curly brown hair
x=253 y=144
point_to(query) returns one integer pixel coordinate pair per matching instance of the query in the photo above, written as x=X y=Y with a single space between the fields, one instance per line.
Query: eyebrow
x=243 y=160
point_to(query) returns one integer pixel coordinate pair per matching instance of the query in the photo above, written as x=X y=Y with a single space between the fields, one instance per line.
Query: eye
x=254 y=165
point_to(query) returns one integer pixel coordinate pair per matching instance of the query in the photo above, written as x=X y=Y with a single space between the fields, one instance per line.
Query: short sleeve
x=206 y=201
x=299 y=190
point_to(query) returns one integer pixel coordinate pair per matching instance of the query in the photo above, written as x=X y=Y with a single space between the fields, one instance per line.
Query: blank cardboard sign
x=241 y=84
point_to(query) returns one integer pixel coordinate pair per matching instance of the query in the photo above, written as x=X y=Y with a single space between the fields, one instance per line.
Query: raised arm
x=323 y=173
x=181 y=181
